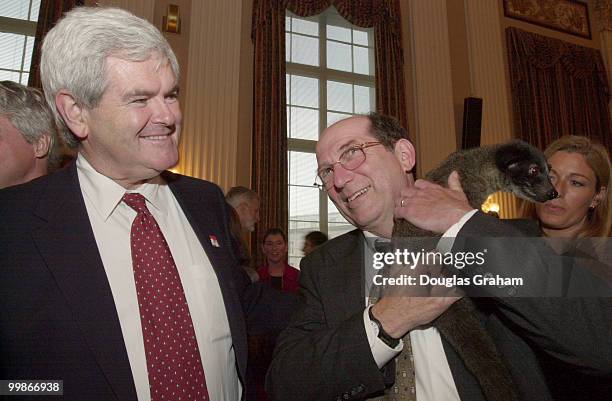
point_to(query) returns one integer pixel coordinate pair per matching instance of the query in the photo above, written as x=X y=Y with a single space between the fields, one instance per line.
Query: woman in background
x=580 y=172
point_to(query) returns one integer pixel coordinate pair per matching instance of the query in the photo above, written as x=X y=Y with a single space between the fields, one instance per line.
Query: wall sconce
x=171 y=22
x=490 y=206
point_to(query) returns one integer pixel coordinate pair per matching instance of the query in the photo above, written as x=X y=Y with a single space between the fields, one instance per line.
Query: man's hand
x=399 y=315
x=432 y=207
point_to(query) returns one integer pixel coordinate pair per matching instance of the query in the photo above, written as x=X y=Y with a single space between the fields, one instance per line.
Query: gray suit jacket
x=324 y=353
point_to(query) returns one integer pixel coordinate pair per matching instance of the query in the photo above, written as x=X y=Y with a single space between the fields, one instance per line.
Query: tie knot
x=136 y=201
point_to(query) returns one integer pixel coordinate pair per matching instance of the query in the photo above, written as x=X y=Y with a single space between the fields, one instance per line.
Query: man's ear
x=405 y=153
x=41 y=146
x=73 y=113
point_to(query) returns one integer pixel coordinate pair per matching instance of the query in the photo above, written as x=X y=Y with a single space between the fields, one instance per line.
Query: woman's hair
x=599 y=219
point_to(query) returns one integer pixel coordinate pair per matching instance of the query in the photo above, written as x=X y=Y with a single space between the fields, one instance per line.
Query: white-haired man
x=246 y=204
x=114 y=277
x=28 y=136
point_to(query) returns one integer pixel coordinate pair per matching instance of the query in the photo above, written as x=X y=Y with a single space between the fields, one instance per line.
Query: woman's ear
x=598 y=197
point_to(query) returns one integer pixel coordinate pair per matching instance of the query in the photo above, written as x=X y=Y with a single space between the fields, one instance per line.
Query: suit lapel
x=66 y=242
x=349 y=284
x=211 y=230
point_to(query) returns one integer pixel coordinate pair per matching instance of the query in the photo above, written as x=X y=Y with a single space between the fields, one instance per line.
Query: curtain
x=50 y=12
x=558 y=88
x=269 y=125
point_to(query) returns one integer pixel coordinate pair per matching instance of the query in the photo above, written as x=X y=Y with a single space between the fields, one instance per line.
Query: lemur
x=515 y=167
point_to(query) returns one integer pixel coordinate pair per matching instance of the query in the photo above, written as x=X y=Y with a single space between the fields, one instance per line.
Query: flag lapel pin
x=213 y=241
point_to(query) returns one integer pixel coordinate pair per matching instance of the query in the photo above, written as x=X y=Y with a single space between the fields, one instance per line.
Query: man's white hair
x=74 y=54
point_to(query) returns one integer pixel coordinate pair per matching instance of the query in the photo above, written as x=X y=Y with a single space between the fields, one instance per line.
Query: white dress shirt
x=433 y=377
x=111 y=220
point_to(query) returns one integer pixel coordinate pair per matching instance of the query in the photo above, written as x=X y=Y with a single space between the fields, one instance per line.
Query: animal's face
x=526 y=170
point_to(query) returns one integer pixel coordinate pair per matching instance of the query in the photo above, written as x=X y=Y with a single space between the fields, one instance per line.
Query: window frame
x=23 y=27
x=323 y=75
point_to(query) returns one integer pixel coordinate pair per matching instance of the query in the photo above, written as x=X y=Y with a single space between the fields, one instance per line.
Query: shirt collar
x=105 y=194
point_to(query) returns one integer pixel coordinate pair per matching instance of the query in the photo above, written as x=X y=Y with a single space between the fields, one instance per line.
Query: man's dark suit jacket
x=57 y=315
x=324 y=352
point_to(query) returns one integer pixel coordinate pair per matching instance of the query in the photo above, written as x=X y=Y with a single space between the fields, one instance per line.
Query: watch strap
x=382 y=334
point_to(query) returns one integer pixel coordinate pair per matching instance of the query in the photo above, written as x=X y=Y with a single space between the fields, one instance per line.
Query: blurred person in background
x=245 y=202
x=312 y=240
x=28 y=135
x=245 y=214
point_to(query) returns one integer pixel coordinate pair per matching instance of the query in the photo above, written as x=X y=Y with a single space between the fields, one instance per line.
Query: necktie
x=173 y=359
x=404 y=388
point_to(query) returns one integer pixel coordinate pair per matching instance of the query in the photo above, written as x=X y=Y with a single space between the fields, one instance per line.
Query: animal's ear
x=405 y=153
x=509 y=156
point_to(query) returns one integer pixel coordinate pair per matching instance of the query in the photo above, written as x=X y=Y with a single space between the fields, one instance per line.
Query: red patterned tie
x=173 y=358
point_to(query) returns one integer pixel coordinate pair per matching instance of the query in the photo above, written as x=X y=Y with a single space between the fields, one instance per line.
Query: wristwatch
x=381 y=333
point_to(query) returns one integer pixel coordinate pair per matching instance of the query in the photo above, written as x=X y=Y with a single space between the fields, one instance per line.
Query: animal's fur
x=515 y=167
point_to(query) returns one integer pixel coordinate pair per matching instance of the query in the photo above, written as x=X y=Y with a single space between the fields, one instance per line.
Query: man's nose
x=163 y=112
x=342 y=176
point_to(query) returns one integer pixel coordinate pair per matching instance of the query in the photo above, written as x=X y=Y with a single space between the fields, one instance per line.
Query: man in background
x=28 y=136
x=246 y=204
x=245 y=214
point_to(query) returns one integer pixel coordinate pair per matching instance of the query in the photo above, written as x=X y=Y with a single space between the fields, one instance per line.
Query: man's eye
x=350 y=153
x=140 y=100
x=577 y=183
x=172 y=96
x=325 y=172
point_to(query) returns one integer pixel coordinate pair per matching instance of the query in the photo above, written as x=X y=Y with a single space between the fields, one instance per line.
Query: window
x=330 y=76
x=17 y=31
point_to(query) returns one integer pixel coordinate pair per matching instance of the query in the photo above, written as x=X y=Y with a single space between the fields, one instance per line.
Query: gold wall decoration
x=172 y=20
x=603 y=12
x=570 y=16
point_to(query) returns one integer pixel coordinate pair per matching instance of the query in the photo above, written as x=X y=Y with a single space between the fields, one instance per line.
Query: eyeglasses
x=350 y=159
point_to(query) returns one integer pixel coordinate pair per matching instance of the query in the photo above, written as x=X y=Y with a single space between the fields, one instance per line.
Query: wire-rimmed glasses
x=350 y=159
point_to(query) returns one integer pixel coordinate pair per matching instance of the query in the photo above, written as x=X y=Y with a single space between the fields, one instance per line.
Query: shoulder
x=292 y=272
x=28 y=196
x=481 y=225
x=180 y=181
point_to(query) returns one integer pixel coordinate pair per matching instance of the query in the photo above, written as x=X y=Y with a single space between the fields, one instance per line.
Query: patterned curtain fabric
x=558 y=88
x=269 y=133
x=50 y=12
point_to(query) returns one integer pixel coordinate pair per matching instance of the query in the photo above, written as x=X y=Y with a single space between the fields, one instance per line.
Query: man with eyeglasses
x=338 y=347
